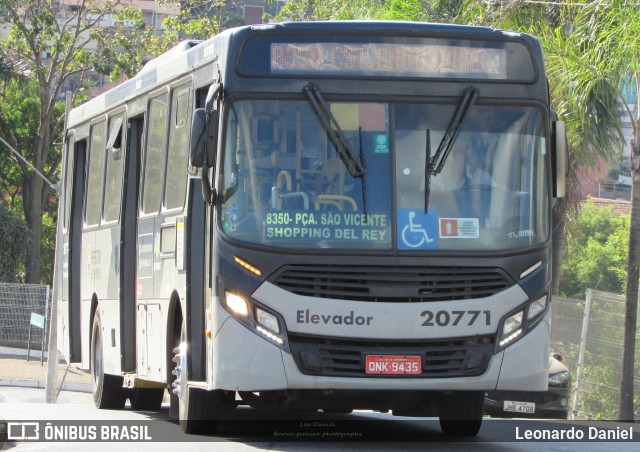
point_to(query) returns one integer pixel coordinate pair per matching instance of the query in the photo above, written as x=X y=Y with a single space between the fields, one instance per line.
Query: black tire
x=107 y=389
x=461 y=413
x=146 y=399
x=3 y=433
x=199 y=410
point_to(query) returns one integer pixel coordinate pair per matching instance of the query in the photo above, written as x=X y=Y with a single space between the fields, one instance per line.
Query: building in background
x=612 y=180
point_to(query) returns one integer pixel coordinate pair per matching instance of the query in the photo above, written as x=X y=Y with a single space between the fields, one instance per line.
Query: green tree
x=597 y=252
x=19 y=125
x=198 y=19
x=310 y=10
x=13 y=244
x=62 y=50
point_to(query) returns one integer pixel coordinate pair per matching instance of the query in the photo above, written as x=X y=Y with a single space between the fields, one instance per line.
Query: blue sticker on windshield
x=417 y=230
x=381 y=143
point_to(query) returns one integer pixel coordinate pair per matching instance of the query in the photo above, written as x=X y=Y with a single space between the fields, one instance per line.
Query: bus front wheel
x=461 y=413
x=108 y=392
x=199 y=410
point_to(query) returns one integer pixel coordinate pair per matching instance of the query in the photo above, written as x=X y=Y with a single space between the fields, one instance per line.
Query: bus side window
x=115 y=170
x=155 y=155
x=178 y=153
x=93 y=204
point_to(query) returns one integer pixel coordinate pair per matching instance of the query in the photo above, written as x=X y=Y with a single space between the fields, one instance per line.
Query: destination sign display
x=328 y=226
x=392 y=59
x=481 y=57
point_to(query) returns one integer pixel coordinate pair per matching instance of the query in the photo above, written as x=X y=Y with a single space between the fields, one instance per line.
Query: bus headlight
x=511 y=328
x=237 y=304
x=267 y=320
x=256 y=318
x=516 y=324
x=537 y=307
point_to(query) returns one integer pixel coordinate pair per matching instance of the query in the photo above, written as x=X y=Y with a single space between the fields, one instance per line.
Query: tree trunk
x=33 y=210
x=35 y=197
x=625 y=405
x=36 y=190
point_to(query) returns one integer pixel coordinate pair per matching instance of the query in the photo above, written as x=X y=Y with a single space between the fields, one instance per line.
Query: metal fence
x=17 y=303
x=589 y=335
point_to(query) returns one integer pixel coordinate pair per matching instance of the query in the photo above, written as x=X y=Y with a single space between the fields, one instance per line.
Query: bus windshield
x=285 y=185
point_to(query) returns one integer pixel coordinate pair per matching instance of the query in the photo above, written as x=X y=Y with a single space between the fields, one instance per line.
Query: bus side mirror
x=560 y=159
x=211 y=107
x=204 y=130
x=198 y=137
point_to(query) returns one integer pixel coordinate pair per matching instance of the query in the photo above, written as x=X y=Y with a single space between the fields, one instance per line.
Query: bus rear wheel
x=107 y=390
x=146 y=399
x=461 y=413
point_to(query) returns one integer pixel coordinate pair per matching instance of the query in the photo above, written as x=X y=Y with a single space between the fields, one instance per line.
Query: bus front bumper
x=240 y=360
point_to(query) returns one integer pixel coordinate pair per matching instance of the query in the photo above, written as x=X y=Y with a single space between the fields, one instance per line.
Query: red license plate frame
x=393 y=365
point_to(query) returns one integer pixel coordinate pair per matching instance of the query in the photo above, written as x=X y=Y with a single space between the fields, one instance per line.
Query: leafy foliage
x=597 y=252
x=311 y=10
x=63 y=47
x=19 y=112
x=13 y=245
x=198 y=19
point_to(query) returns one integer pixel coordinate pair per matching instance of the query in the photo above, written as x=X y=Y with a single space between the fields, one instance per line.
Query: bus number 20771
x=453 y=318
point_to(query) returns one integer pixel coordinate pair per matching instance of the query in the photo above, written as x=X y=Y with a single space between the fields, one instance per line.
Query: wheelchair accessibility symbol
x=417 y=230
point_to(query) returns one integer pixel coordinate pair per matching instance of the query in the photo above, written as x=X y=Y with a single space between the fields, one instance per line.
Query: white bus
x=329 y=215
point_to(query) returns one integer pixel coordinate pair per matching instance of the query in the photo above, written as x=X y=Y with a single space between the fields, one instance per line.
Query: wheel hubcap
x=180 y=358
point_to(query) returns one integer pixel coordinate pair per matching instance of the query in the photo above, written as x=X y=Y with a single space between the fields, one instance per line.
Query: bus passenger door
x=161 y=225
x=128 y=254
x=148 y=228
x=69 y=324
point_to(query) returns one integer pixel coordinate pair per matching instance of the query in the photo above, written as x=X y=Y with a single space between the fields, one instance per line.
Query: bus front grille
x=444 y=358
x=392 y=284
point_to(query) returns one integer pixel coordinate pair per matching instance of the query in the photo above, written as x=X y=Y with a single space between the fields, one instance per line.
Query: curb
x=75 y=387
x=13 y=352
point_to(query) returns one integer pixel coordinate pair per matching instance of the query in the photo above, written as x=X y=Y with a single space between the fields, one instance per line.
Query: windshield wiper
x=363 y=176
x=434 y=165
x=334 y=132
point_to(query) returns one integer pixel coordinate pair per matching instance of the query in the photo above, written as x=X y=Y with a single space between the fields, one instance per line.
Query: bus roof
x=384 y=25
x=190 y=55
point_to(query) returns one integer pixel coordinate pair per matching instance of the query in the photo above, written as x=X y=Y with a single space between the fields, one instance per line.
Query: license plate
x=393 y=365
x=519 y=407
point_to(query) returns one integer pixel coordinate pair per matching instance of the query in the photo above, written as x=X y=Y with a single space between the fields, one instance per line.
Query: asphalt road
x=253 y=429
